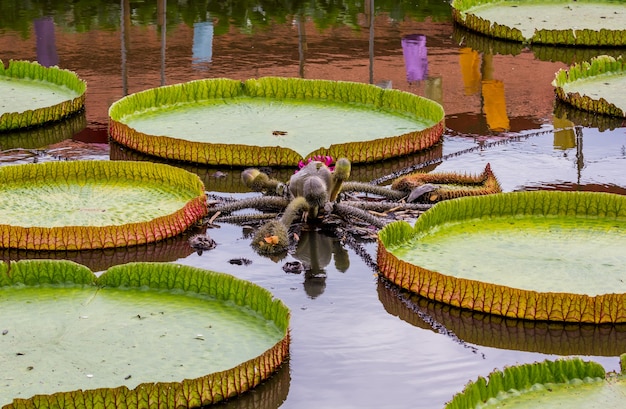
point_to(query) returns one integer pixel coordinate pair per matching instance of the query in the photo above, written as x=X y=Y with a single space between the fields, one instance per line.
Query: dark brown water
x=357 y=343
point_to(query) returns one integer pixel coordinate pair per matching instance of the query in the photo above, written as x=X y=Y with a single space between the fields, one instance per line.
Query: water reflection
x=42 y=136
x=504 y=333
x=477 y=74
x=269 y=395
x=228 y=179
x=100 y=260
x=415 y=57
x=46 y=42
x=202 y=47
x=316 y=250
x=567 y=55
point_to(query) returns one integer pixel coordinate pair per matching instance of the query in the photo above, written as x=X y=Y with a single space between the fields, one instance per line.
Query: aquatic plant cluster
x=132 y=203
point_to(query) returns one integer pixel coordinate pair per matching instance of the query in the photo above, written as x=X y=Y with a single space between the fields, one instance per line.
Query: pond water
x=357 y=342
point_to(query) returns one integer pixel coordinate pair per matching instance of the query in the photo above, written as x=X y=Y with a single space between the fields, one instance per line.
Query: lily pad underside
x=557 y=22
x=541 y=255
x=33 y=95
x=275 y=121
x=154 y=335
x=565 y=383
x=81 y=205
x=449 y=185
x=595 y=86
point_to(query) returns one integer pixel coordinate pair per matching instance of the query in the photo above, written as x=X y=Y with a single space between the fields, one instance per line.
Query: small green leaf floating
x=491 y=253
x=571 y=383
x=33 y=95
x=275 y=121
x=156 y=334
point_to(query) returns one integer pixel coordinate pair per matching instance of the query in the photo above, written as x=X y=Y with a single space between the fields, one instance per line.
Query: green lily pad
x=96 y=204
x=33 y=94
x=595 y=86
x=529 y=255
x=571 y=383
x=140 y=331
x=275 y=121
x=559 y=22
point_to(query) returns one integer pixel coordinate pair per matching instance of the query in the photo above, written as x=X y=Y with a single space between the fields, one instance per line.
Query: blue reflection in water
x=202 y=47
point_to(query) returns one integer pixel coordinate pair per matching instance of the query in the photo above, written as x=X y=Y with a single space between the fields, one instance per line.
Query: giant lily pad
x=159 y=334
x=80 y=205
x=33 y=94
x=558 y=22
x=569 y=383
x=275 y=121
x=595 y=86
x=542 y=255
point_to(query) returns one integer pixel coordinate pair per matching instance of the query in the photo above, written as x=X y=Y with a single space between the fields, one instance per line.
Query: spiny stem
x=263 y=202
x=350 y=211
x=373 y=189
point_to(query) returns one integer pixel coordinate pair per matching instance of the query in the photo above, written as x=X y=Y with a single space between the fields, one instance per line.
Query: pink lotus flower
x=326 y=160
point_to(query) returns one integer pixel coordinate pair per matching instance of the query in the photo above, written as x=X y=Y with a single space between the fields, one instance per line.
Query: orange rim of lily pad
x=143 y=319
x=40 y=94
x=556 y=22
x=275 y=121
x=80 y=205
x=594 y=86
x=514 y=254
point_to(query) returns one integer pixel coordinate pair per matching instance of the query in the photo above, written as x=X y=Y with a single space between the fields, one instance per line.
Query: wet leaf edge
x=280 y=88
x=188 y=393
x=54 y=75
x=498 y=299
x=523 y=378
x=602 y=65
x=571 y=37
x=97 y=237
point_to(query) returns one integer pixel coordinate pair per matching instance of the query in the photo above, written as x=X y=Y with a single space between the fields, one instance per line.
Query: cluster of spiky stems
x=315 y=194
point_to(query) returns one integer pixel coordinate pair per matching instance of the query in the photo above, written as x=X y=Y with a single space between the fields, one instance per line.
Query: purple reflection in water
x=415 y=57
x=46 y=43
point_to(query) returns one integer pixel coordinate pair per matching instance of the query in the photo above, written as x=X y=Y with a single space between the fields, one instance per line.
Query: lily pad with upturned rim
x=33 y=95
x=81 y=205
x=275 y=121
x=558 y=22
x=595 y=86
x=528 y=255
x=571 y=383
x=160 y=333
